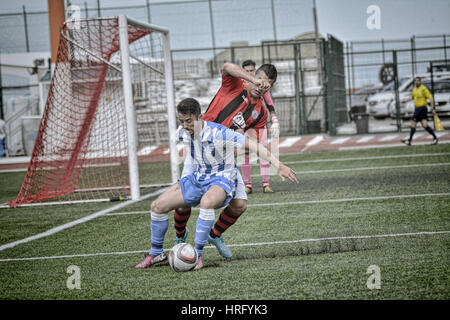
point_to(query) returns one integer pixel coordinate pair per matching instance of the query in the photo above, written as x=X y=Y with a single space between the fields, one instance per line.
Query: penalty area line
x=255 y=244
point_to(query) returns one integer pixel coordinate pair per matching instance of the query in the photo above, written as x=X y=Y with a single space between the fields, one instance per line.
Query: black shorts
x=420 y=113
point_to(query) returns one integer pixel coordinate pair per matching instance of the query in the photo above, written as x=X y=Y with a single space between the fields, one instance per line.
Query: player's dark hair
x=418 y=78
x=248 y=63
x=189 y=106
x=269 y=70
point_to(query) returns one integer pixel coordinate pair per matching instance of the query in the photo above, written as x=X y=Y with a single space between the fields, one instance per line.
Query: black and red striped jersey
x=233 y=98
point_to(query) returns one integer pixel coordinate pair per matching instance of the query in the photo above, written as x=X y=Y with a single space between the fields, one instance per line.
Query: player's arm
x=231 y=69
x=430 y=97
x=283 y=170
x=411 y=98
x=275 y=127
x=188 y=165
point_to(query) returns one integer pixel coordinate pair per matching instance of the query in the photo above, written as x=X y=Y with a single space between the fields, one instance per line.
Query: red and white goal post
x=110 y=103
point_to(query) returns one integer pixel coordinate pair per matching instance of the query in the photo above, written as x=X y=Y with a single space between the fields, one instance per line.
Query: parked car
x=358 y=100
x=378 y=104
x=359 y=97
x=441 y=100
x=381 y=104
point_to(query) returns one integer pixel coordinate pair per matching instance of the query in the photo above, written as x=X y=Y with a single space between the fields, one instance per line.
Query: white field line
x=289 y=142
x=405 y=196
x=399 y=156
x=370 y=168
x=389 y=138
x=389 y=235
x=340 y=140
x=377 y=168
x=365 y=139
x=375 y=146
x=79 y=221
x=313 y=142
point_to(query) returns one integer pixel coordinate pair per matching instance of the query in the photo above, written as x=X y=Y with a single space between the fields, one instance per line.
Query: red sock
x=181 y=218
x=226 y=219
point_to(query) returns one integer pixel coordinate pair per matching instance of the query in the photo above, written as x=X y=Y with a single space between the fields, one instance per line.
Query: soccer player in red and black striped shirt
x=238 y=105
x=260 y=135
x=238 y=97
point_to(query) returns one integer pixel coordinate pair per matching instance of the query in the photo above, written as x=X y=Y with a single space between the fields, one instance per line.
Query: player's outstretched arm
x=231 y=69
x=283 y=170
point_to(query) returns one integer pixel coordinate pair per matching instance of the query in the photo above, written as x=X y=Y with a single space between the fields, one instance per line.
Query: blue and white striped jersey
x=211 y=153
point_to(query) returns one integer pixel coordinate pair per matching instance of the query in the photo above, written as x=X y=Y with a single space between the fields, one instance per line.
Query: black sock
x=411 y=133
x=430 y=131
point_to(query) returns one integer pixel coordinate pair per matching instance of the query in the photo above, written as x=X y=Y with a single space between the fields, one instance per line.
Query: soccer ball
x=183 y=257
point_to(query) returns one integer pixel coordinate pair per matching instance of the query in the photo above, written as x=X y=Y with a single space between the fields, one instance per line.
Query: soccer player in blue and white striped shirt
x=213 y=182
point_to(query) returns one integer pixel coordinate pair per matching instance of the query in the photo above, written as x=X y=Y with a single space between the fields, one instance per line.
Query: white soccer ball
x=183 y=257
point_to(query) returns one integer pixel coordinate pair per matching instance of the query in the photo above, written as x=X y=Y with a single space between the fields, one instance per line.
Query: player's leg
x=264 y=165
x=212 y=199
x=412 y=130
x=181 y=217
x=246 y=167
x=159 y=223
x=227 y=218
x=424 y=123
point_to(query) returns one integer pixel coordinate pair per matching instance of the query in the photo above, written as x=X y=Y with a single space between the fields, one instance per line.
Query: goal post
x=110 y=105
x=129 y=108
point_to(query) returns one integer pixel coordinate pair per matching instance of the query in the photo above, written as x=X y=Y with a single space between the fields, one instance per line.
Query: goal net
x=110 y=105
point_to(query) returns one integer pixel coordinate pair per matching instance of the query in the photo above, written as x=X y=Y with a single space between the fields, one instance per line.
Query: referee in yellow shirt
x=420 y=94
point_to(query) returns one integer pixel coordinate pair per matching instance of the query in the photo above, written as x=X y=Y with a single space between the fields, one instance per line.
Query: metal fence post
x=299 y=128
x=213 y=36
x=348 y=77
x=25 y=24
x=445 y=48
x=396 y=85
x=86 y=10
x=99 y=13
x=432 y=79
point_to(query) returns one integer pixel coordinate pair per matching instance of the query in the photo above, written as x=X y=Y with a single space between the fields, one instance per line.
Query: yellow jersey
x=420 y=95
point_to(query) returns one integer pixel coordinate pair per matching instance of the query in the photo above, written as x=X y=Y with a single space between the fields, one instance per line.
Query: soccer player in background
x=261 y=136
x=420 y=94
x=213 y=182
x=237 y=105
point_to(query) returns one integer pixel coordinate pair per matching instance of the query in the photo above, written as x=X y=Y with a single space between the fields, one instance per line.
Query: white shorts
x=240 y=188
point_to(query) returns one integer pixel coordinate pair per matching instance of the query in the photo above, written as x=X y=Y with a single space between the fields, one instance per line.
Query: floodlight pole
x=129 y=108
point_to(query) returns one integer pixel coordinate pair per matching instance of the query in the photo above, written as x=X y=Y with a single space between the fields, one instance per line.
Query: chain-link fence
x=298 y=93
x=379 y=80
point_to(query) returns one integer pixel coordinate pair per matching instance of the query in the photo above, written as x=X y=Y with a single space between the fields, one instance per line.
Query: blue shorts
x=420 y=113
x=194 y=190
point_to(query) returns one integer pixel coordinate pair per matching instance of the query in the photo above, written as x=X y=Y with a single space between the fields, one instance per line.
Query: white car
x=378 y=104
x=441 y=100
x=382 y=105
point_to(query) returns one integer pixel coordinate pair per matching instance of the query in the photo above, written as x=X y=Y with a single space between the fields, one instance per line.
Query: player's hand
x=262 y=84
x=433 y=111
x=286 y=172
x=275 y=128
